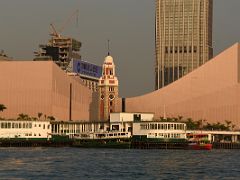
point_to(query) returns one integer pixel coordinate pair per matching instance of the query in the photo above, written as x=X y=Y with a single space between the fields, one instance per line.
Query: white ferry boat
x=103 y=135
x=25 y=129
x=159 y=131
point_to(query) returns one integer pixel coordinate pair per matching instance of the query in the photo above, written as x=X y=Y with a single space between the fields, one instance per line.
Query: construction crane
x=58 y=33
x=54 y=33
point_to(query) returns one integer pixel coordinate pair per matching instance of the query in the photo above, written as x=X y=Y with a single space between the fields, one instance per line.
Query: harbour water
x=104 y=164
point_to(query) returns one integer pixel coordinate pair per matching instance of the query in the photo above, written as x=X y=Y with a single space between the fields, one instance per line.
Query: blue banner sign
x=88 y=69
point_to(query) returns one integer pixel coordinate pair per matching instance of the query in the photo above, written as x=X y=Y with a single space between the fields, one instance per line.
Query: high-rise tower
x=183 y=38
x=108 y=89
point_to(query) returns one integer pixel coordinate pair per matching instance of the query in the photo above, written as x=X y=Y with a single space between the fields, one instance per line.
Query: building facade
x=32 y=87
x=183 y=38
x=108 y=89
x=211 y=92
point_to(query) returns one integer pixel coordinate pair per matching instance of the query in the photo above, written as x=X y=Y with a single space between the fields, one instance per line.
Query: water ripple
x=104 y=164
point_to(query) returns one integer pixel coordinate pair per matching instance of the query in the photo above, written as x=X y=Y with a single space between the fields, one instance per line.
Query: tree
x=51 y=118
x=2 y=107
x=23 y=117
x=40 y=115
x=191 y=125
x=34 y=118
x=180 y=118
x=228 y=124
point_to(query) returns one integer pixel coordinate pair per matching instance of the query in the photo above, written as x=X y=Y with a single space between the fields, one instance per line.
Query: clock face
x=111 y=96
x=102 y=96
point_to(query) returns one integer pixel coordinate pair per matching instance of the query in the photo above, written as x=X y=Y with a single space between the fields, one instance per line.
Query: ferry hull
x=200 y=146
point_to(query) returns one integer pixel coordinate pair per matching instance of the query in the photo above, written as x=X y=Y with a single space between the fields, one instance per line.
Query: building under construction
x=60 y=49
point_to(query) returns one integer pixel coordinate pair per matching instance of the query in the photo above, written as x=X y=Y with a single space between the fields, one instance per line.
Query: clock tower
x=108 y=89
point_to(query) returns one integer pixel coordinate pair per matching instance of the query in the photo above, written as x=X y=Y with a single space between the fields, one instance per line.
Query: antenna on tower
x=108 y=47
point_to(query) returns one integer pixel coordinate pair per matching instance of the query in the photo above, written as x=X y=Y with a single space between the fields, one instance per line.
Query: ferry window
x=115 y=127
x=30 y=134
x=155 y=126
x=165 y=126
x=43 y=126
x=26 y=125
x=1 y=125
x=34 y=134
x=158 y=126
x=20 y=125
x=9 y=125
x=39 y=134
x=12 y=125
x=30 y=125
x=35 y=125
x=39 y=125
x=26 y=134
x=161 y=126
x=48 y=126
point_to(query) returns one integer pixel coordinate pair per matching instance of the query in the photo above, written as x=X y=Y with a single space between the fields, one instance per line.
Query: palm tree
x=34 y=118
x=40 y=115
x=51 y=118
x=180 y=118
x=228 y=124
x=23 y=117
x=2 y=107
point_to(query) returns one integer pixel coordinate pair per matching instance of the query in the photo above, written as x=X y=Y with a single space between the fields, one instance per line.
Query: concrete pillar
x=213 y=138
x=234 y=138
